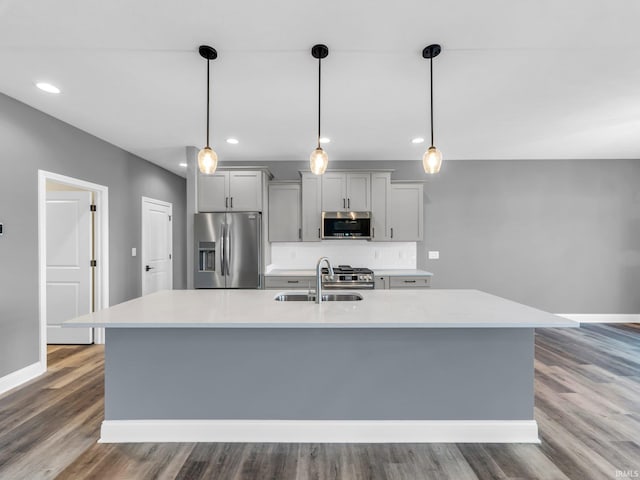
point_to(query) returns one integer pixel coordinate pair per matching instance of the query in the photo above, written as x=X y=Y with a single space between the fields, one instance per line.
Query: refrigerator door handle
x=228 y=248
x=223 y=256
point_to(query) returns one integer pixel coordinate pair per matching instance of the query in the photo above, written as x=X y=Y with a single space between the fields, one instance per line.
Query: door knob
x=147 y=268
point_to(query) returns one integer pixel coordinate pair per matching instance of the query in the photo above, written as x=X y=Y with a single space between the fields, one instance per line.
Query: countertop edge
x=570 y=324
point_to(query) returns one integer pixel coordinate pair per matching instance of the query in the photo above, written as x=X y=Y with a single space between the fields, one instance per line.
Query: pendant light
x=319 y=159
x=432 y=158
x=207 y=157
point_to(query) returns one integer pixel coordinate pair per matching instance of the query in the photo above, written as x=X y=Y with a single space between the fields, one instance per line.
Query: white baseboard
x=17 y=378
x=320 y=431
x=602 y=317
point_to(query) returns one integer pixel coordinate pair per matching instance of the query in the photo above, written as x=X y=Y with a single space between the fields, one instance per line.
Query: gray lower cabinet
x=383 y=282
x=284 y=212
x=418 y=281
x=289 y=282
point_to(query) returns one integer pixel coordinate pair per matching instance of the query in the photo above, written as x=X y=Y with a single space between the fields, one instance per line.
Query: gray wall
x=31 y=140
x=561 y=235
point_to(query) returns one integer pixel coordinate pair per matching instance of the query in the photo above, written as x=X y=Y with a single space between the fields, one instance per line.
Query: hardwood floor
x=587 y=407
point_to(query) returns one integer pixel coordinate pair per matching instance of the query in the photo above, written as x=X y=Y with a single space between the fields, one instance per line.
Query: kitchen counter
x=378 y=309
x=281 y=272
x=398 y=366
x=291 y=272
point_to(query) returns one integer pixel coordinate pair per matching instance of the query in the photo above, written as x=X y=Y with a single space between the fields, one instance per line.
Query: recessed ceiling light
x=233 y=141
x=47 y=87
x=417 y=140
x=325 y=140
x=183 y=164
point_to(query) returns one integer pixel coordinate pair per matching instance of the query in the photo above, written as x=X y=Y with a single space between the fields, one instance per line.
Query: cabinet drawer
x=410 y=282
x=289 y=282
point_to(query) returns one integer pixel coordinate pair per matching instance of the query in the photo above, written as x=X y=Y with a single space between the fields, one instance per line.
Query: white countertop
x=291 y=272
x=398 y=272
x=401 y=272
x=379 y=309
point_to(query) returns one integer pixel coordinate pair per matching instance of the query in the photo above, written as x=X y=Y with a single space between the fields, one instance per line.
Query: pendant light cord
x=208 y=62
x=319 y=95
x=431 y=87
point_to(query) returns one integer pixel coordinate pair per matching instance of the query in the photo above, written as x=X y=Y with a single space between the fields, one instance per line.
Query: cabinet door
x=380 y=194
x=284 y=213
x=334 y=198
x=245 y=191
x=405 y=212
x=381 y=283
x=311 y=207
x=358 y=192
x=213 y=192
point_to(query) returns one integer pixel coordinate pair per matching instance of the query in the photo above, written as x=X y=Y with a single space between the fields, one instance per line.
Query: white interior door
x=69 y=279
x=157 y=248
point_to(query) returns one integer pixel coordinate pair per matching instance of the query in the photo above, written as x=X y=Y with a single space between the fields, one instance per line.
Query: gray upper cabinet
x=406 y=222
x=285 y=212
x=311 y=207
x=380 y=194
x=239 y=191
x=213 y=192
x=346 y=192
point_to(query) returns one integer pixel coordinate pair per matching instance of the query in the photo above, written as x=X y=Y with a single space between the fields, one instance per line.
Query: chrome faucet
x=319 y=277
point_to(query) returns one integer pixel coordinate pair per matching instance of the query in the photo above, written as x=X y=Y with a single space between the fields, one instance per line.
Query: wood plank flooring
x=587 y=408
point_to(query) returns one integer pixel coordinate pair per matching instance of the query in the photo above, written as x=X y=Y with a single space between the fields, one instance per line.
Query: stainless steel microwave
x=352 y=225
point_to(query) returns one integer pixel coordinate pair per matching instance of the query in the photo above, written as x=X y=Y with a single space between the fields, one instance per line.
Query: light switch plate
x=134 y=252
x=434 y=254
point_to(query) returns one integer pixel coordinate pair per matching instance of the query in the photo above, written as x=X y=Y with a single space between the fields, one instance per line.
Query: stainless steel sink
x=310 y=297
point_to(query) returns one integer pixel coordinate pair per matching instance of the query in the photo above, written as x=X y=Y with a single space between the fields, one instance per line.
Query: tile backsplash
x=357 y=253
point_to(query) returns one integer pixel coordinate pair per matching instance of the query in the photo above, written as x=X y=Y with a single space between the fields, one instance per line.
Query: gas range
x=346 y=276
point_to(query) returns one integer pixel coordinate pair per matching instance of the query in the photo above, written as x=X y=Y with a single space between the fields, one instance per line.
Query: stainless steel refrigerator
x=227 y=250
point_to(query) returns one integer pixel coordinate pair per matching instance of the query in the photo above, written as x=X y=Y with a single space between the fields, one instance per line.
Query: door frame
x=143 y=237
x=101 y=245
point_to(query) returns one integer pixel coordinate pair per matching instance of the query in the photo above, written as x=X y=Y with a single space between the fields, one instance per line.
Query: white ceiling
x=516 y=79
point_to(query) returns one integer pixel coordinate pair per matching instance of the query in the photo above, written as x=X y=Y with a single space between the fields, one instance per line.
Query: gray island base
x=318 y=381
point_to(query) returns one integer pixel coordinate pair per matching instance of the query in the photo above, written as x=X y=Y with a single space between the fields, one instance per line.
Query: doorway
x=157 y=245
x=73 y=244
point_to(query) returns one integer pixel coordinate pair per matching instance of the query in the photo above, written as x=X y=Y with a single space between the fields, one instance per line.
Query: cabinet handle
x=318 y=233
x=373 y=232
x=409 y=281
x=231 y=202
x=348 y=203
x=391 y=232
x=293 y=281
x=226 y=202
x=299 y=234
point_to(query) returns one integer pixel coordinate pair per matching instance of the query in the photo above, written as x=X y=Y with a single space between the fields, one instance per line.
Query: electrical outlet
x=434 y=254
x=134 y=252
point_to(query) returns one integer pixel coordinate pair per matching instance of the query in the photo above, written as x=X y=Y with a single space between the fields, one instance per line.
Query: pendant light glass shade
x=318 y=161
x=432 y=160
x=207 y=160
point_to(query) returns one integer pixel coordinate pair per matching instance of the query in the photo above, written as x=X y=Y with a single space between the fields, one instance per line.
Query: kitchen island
x=396 y=366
